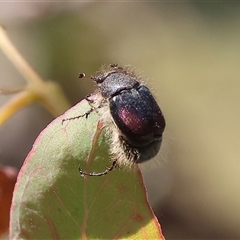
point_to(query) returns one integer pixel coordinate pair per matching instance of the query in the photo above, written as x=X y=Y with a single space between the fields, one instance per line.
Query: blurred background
x=190 y=54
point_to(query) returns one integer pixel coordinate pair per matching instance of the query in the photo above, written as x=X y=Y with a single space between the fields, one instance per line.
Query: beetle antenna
x=81 y=75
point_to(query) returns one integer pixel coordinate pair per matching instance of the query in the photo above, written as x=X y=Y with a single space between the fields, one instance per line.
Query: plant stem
x=18 y=61
x=16 y=103
x=47 y=93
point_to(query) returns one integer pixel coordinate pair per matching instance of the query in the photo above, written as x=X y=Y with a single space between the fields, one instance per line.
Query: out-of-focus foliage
x=190 y=52
x=8 y=177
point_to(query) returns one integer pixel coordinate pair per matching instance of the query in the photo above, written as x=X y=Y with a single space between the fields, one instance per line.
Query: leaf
x=8 y=177
x=52 y=201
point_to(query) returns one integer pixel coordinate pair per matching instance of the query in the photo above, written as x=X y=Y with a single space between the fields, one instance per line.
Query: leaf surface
x=52 y=201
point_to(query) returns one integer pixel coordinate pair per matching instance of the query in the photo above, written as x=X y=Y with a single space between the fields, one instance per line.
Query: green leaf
x=52 y=201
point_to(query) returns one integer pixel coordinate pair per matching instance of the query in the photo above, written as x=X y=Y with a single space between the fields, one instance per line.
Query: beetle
x=130 y=114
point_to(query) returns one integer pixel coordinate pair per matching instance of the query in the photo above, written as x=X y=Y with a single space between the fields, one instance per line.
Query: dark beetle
x=134 y=111
x=130 y=114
